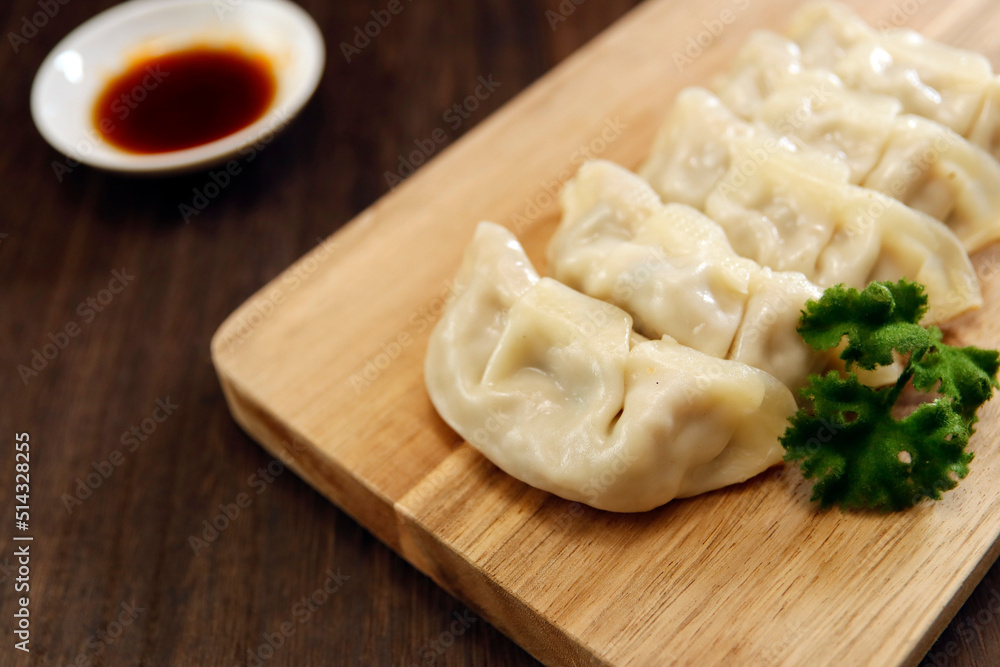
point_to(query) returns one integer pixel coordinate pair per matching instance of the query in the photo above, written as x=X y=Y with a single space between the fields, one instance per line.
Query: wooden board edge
x=228 y=335
x=395 y=528
x=524 y=625
x=454 y=572
x=362 y=503
x=933 y=630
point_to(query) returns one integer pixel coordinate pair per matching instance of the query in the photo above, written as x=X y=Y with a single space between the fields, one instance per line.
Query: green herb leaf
x=882 y=318
x=864 y=458
x=847 y=438
x=967 y=375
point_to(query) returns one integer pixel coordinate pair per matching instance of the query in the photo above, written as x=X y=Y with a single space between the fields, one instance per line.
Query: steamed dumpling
x=932 y=80
x=850 y=126
x=768 y=336
x=791 y=207
x=691 y=152
x=953 y=87
x=771 y=90
x=767 y=62
x=932 y=169
x=785 y=216
x=619 y=243
x=694 y=149
x=556 y=389
x=919 y=162
x=916 y=161
x=985 y=131
x=673 y=270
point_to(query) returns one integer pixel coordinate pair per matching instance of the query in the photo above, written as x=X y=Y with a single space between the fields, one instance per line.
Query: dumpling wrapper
x=672 y=269
x=556 y=389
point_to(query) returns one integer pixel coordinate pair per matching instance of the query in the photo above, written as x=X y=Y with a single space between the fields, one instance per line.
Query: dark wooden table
x=130 y=400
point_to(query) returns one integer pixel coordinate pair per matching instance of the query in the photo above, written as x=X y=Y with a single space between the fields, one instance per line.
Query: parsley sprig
x=847 y=438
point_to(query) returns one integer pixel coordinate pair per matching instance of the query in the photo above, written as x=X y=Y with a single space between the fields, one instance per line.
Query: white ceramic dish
x=74 y=73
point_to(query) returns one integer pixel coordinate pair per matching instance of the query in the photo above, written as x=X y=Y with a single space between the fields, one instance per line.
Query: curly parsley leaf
x=848 y=440
x=967 y=375
x=882 y=318
x=862 y=457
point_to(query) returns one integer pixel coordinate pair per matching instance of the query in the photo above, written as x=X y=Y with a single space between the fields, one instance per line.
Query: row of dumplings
x=660 y=357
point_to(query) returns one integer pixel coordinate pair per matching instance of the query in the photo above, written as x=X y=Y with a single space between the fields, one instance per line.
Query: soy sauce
x=184 y=99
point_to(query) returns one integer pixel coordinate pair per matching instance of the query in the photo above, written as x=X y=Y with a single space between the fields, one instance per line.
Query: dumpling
x=673 y=270
x=827 y=31
x=840 y=51
x=770 y=88
x=776 y=212
x=768 y=336
x=932 y=169
x=919 y=162
x=617 y=242
x=769 y=62
x=784 y=214
x=853 y=127
x=985 y=131
x=951 y=86
x=932 y=80
x=791 y=207
x=692 y=149
x=556 y=389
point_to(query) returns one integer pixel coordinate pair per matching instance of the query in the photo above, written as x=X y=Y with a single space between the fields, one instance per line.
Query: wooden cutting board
x=324 y=368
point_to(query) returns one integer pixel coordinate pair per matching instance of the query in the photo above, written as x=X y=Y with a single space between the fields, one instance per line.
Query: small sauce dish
x=91 y=60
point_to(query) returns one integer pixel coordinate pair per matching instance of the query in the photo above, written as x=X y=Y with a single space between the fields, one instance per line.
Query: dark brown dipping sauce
x=184 y=99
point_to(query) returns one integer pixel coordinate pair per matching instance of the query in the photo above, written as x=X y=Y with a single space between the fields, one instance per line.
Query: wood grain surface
x=128 y=543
